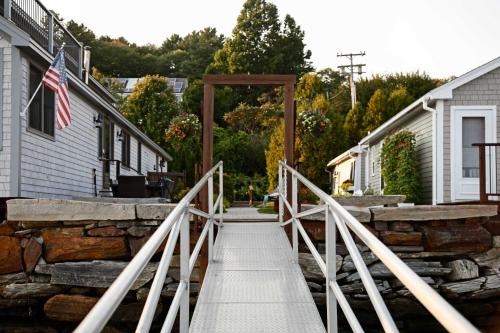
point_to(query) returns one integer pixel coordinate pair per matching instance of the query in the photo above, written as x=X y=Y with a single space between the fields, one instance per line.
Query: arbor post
x=208 y=119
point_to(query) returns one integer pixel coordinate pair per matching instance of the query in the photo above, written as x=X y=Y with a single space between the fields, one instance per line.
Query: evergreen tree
x=376 y=110
x=259 y=45
x=397 y=101
x=353 y=125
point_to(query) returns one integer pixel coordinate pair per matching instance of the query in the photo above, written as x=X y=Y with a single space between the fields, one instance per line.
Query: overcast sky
x=441 y=37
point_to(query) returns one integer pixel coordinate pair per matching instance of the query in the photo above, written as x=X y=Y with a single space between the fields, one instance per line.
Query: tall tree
x=82 y=33
x=353 y=125
x=189 y=56
x=376 y=110
x=259 y=45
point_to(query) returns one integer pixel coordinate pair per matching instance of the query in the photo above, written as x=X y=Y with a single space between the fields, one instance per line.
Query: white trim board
x=467 y=110
x=440 y=151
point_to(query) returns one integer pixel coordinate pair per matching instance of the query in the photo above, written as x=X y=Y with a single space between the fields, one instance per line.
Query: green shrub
x=399 y=166
x=346 y=184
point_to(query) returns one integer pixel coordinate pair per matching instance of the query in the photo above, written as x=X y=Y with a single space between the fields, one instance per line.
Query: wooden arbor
x=210 y=82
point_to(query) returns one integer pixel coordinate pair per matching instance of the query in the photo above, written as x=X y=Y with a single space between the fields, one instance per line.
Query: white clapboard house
x=38 y=160
x=449 y=122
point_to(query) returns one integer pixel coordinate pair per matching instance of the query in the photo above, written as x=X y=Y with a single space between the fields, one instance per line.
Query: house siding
x=484 y=90
x=62 y=167
x=5 y=116
x=421 y=125
x=374 y=167
x=148 y=157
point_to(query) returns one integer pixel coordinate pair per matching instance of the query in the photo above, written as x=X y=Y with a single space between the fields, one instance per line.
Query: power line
x=351 y=66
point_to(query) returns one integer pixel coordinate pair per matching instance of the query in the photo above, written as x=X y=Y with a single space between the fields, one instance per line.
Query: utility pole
x=351 y=67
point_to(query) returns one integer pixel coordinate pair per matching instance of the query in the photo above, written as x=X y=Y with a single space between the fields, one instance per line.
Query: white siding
x=60 y=168
x=5 y=114
x=374 y=167
x=148 y=157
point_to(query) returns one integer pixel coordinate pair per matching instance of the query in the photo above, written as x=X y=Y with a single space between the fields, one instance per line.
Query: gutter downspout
x=434 y=147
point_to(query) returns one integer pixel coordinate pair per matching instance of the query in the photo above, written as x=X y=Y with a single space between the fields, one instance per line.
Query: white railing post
x=211 y=218
x=331 y=270
x=7 y=9
x=50 y=43
x=295 y=235
x=280 y=192
x=221 y=193
x=184 y=274
x=80 y=60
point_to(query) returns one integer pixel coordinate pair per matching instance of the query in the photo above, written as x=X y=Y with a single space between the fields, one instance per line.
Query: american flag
x=56 y=79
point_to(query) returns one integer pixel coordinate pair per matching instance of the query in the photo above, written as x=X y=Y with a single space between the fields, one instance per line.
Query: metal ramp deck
x=253 y=285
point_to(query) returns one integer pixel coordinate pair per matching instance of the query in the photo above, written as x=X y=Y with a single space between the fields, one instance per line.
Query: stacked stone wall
x=455 y=249
x=58 y=257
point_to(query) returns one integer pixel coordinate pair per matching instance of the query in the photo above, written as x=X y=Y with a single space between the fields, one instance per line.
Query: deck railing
x=487 y=171
x=175 y=225
x=41 y=24
x=337 y=217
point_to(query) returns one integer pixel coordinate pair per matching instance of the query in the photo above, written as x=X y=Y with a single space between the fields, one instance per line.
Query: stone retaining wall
x=57 y=257
x=458 y=257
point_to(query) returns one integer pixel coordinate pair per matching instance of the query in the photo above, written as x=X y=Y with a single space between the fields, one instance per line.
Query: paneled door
x=471 y=124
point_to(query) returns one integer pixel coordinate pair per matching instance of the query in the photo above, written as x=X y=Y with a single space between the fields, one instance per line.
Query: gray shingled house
x=37 y=159
x=447 y=121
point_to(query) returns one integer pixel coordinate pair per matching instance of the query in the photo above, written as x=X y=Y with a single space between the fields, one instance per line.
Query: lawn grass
x=268 y=209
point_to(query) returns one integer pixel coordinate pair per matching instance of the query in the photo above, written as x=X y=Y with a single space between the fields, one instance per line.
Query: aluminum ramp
x=253 y=285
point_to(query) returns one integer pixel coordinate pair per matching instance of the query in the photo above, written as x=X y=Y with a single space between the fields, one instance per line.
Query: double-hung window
x=42 y=108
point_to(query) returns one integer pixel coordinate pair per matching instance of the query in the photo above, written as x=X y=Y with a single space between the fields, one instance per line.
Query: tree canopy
x=151 y=107
x=178 y=56
x=262 y=44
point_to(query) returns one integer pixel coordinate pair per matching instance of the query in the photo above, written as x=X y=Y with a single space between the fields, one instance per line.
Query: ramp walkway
x=247 y=214
x=253 y=282
x=253 y=285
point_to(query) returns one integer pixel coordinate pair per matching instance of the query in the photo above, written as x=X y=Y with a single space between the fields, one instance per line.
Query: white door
x=471 y=124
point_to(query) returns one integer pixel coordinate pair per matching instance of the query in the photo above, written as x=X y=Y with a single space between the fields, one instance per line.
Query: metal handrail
x=450 y=318
x=175 y=225
x=43 y=27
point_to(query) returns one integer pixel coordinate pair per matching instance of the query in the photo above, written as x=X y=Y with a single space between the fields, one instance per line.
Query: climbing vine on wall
x=399 y=165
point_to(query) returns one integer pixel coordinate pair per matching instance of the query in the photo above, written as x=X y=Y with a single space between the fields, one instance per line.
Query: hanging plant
x=184 y=131
x=311 y=123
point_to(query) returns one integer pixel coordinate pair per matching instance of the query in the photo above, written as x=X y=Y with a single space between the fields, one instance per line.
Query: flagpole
x=23 y=113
